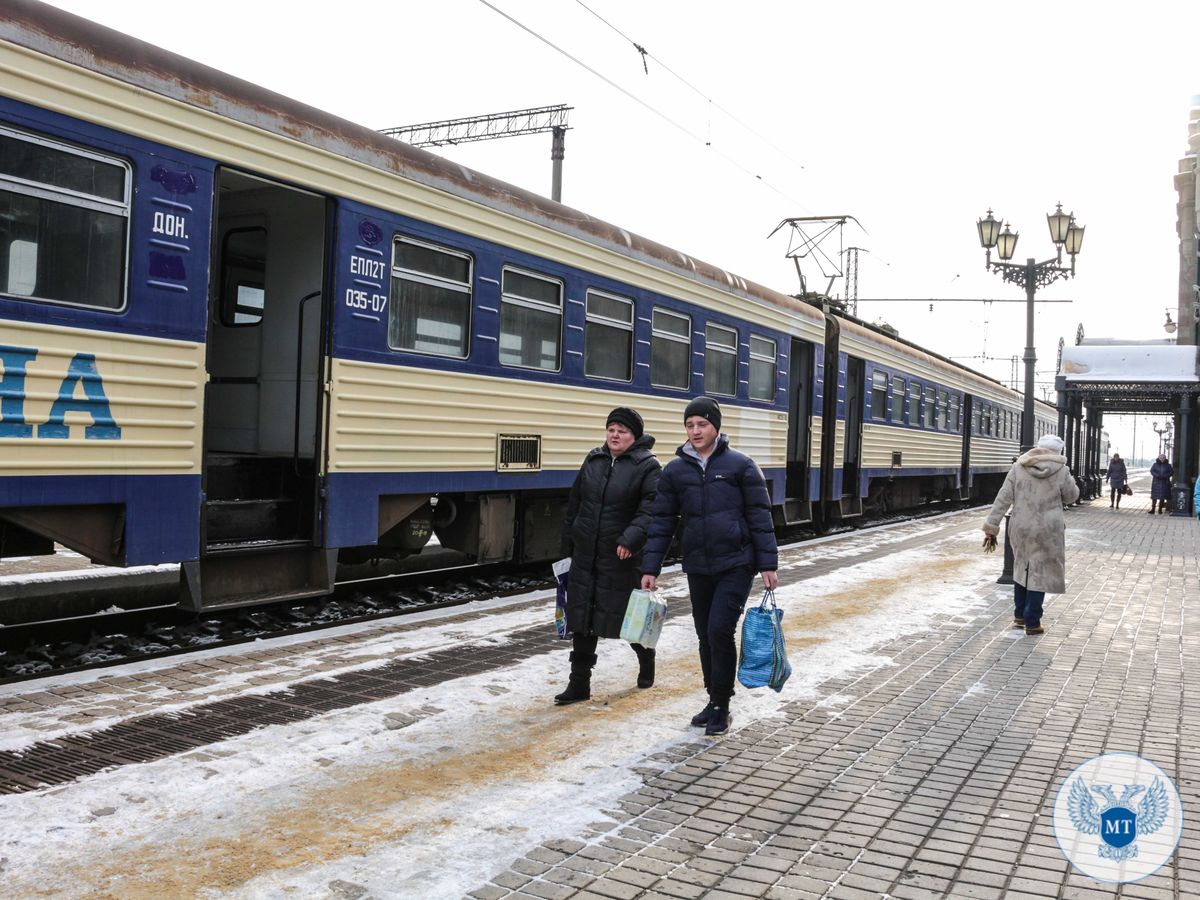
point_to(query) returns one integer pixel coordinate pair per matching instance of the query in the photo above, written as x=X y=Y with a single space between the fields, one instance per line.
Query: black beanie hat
x=706 y=408
x=623 y=415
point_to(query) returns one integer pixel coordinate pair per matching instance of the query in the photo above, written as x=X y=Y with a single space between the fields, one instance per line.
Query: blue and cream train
x=246 y=336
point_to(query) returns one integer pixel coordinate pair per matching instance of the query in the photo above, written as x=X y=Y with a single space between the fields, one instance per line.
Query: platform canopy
x=1130 y=377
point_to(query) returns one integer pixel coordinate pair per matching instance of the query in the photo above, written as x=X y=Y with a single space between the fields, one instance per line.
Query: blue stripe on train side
x=362 y=335
x=353 y=497
x=162 y=521
x=167 y=277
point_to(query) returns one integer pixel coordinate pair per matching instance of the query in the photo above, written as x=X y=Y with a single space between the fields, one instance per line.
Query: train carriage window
x=914 y=403
x=670 y=350
x=897 y=399
x=430 y=301
x=975 y=426
x=64 y=222
x=762 y=368
x=944 y=410
x=955 y=413
x=879 y=392
x=530 y=321
x=720 y=360
x=608 y=338
x=930 y=407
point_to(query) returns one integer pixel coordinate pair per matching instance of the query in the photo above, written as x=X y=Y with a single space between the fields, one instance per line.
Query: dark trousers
x=1114 y=495
x=1027 y=605
x=717 y=604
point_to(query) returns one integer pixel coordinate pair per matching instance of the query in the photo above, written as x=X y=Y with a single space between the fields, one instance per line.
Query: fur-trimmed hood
x=1041 y=463
x=1038 y=485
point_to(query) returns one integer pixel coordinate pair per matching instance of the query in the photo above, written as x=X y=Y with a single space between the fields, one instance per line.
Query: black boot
x=580 y=685
x=719 y=721
x=645 y=657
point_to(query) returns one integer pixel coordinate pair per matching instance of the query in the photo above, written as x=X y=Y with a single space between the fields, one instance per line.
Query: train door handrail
x=299 y=381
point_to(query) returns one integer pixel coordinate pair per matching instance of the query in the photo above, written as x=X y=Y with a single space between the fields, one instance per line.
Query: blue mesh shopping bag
x=562 y=572
x=762 y=661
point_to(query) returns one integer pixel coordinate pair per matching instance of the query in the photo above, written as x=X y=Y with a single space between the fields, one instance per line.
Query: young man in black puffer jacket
x=728 y=535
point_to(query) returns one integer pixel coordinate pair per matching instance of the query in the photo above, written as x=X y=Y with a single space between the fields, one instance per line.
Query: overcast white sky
x=914 y=118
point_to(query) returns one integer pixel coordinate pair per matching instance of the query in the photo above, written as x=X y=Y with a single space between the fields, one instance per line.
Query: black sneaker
x=719 y=721
x=701 y=719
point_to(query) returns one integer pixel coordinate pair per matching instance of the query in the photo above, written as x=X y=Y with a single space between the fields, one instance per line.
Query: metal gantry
x=536 y=120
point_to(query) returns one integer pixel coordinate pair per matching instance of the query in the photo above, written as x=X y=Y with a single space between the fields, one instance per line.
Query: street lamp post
x=1164 y=443
x=1067 y=235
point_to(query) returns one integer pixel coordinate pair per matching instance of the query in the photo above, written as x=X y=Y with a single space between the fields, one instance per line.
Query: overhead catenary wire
x=647 y=106
x=646 y=53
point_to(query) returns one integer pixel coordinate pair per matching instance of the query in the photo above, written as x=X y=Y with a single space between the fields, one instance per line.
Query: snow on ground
x=431 y=793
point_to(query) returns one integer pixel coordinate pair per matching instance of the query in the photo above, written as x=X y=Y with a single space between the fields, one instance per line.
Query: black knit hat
x=706 y=408
x=623 y=415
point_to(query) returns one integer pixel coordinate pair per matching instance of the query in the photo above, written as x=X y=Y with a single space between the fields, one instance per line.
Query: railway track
x=39 y=649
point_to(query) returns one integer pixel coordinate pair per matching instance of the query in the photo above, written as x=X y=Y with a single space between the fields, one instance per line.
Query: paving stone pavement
x=937 y=775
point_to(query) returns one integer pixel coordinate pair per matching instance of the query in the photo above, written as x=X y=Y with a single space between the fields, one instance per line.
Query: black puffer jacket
x=726 y=514
x=609 y=506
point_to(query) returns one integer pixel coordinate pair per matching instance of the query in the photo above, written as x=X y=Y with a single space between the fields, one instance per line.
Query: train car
x=243 y=335
x=911 y=427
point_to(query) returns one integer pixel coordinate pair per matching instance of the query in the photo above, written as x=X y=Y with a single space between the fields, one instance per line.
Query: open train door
x=797 y=505
x=964 y=474
x=260 y=524
x=851 y=503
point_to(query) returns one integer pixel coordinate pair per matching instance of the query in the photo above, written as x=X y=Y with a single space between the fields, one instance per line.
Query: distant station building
x=1145 y=377
x=1189 y=233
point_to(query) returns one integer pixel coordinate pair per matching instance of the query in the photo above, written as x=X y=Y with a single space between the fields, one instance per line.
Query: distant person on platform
x=1160 y=488
x=1117 y=478
x=1038 y=486
x=728 y=535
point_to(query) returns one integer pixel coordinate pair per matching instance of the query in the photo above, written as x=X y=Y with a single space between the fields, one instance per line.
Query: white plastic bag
x=644 y=617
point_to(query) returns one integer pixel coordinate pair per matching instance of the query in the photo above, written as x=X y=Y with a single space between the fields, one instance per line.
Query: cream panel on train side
x=73 y=91
x=405 y=419
x=918 y=449
x=814 y=447
x=916 y=363
x=152 y=388
x=839 y=443
x=993 y=451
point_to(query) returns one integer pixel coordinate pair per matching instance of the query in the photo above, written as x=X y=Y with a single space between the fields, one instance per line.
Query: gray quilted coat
x=1038 y=486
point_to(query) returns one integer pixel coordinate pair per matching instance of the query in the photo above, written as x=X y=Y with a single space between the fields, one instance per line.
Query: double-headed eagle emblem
x=1117 y=822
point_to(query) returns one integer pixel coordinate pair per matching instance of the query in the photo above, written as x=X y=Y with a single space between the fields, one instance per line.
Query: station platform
x=916 y=751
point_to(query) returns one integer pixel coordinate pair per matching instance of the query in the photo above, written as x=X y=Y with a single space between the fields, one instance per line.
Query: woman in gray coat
x=1038 y=486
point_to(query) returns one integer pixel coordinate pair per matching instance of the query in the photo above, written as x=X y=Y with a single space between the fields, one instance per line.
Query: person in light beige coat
x=1038 y=486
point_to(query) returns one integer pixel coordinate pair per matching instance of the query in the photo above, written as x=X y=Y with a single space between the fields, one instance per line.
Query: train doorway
x=964 y=472
x=797 y=505
x=262 y=431
x=852 y=440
